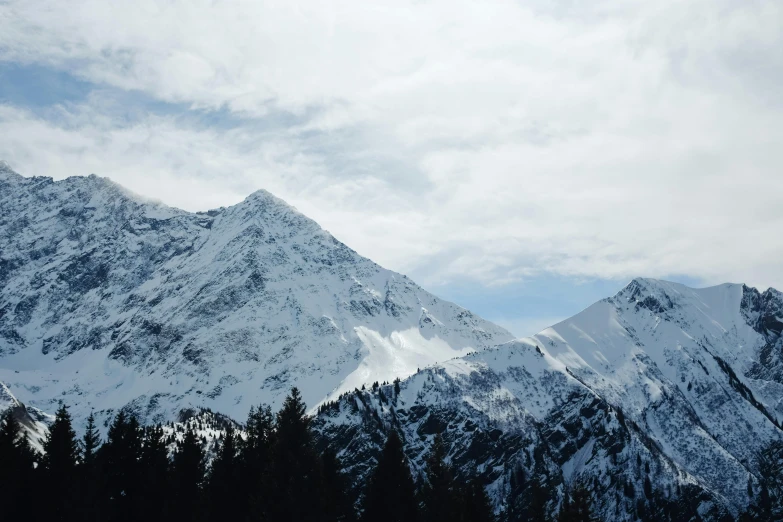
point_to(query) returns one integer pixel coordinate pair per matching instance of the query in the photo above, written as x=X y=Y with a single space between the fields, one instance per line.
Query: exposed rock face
x=110 y=301
x=660 y=383
x=661 y=395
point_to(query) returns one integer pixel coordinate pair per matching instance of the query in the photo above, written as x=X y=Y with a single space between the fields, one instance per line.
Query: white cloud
x=449 y=140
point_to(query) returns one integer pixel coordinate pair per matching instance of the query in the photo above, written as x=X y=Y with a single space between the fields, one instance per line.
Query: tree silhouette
x=439 y=497
x=224 y=483
x=390 y=495
x=294 y=471
x=61 y=456
x=17 y=461
x=188 y=471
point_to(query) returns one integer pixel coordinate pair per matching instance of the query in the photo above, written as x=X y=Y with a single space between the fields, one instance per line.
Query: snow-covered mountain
x=110 y=301
x=661 y=395
x=661 y=383
x=34 y=422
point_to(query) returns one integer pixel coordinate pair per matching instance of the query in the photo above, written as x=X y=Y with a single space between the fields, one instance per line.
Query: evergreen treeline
x=271 y=472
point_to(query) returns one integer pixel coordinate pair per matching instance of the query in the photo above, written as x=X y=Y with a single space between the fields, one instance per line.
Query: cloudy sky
x=520 y=158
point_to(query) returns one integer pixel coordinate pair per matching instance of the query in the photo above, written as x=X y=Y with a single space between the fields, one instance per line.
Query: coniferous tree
x=336 y=505
x=224 y=483
x=60 y=458
x=439 y=498
x=254 y=457
x=476 y=504
x=120 y=463
x=187 y=473
x=89 y=472
x=294 y=470
x=768 y=504
x=537 y=500
x=90 y=443
x=647 y=486
x=17 y=471
x=577 y=505
x=516 y=484
x=154 y=473
x=390 y=495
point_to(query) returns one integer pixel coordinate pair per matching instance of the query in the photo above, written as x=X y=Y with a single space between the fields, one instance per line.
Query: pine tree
x=476 y=504
x=61 y=456
x=17 y=472
x=566 y=513
x=337 y=507
x=61 y=449
x=390 y=495
x=188 y=472
x=120 y=462
x=294 y=472
x=538 y=498
x=10 y=433
x=89 y=471
x=90 y=443
x=254 y=458
x=154 y=473
x=439 y=498
x=768 y=504
x=224 y=482
x=577 y=505
x=648 y=491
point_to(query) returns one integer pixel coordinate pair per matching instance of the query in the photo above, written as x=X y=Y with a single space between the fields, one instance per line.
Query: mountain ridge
x=662 y=395
x=652 y=384
x=135 y=304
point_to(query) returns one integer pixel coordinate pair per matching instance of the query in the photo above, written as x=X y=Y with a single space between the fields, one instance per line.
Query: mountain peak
x=8 y=174
x=225 y=310
x=648 y=293
x=271 y=211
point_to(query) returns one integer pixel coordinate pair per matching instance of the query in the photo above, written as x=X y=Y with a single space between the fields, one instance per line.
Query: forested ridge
x=269 y=471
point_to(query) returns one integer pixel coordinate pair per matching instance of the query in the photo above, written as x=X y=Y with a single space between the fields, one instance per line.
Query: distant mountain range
x=661 y=395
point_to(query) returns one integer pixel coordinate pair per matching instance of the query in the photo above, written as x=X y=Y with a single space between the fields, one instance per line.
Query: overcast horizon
x=520 y=159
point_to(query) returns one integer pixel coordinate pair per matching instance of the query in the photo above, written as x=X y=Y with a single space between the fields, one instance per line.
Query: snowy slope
x=107 y=301
x=661 y=382
x=34 y=422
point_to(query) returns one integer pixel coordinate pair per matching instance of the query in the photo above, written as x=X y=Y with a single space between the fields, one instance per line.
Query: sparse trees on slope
x=390 y=495
x=577 y=505
x=768 y=504
x=537 y=501
x=476 y=504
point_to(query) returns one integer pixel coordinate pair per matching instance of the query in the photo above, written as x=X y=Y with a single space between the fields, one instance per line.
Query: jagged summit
x=7 y=174
x=660 y=388
x=110 y=301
